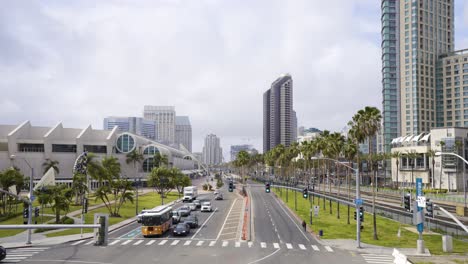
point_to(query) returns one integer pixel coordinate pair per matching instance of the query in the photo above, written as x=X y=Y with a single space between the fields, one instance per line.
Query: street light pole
x=439 y=153
x=28 y=237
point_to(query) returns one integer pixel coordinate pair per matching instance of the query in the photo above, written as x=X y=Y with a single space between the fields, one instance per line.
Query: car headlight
x=183 y=231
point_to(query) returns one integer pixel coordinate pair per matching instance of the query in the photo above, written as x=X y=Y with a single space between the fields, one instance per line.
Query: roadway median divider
x=246 y=218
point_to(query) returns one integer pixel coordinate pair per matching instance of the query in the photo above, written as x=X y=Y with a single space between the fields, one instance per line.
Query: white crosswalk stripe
x=212 y=243
x=200 y=243
x=377 y=259
x=315 y=248
x=276 y=245
x=301 y=246
x=175 y=242
x=138 y=242
x=225 y=243
x=263 y=244
x=289 y=246
x=114 y=242
x=328 y=248
x=90 y=242
x=77 y=242
x=250 y=244
x=162 y=242
x=150 y=243
x=187 y=242
x=19 y=254
x=237 y=244
x=126 y=242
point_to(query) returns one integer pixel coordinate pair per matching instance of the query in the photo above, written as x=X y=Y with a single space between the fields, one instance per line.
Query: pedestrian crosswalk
x=18 y=254
x=377 y=258
x=210 y=243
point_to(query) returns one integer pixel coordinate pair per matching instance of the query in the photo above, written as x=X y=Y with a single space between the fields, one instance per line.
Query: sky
x=80 y=61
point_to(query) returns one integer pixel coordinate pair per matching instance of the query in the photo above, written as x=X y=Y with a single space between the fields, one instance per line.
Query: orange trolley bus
x=156 y=221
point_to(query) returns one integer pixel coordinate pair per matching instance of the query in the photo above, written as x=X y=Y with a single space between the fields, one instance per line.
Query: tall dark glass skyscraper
x=278 y=114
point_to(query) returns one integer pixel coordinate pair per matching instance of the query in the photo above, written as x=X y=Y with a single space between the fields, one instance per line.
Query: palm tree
x=442 y=145
x=135 y=157
x=335 y=142
x=59 y=196
x=412 y=156
x=79 y=187
x=242 y=159
x=349 y=151
x=160 y=159
x=397 y=156
x=48 y=163
x=368 y=121
x=431 y=155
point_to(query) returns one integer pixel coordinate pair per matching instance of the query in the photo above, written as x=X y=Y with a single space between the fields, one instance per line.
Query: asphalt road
x=278 y=238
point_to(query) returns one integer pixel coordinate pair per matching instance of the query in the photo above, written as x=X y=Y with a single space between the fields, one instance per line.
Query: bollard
x=321 y=233
x=447 y=245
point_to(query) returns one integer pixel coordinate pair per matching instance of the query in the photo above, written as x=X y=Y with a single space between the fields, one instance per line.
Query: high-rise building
x=183 y=132
x=278 y=113
x=235 y=149
x=165 y=120
x=212 y=151
x=423 y=32
x=136 y=125
x=390 y=71
x=294 y=126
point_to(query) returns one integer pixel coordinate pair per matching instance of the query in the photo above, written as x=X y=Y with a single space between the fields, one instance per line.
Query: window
x=150 y=150
x=26 y=147
x=125 y=143
x=95 y=148
x=63 y=148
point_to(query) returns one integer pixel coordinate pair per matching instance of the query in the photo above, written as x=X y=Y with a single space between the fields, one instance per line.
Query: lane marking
x=126 y=242
x=237 y=244
x=233 y=203
x=263 y=244
x=292 y=220
x=315 y=248
x=289 y=246
x=200 y=243
x=138 y=242
x=225 y=243
x=258 y=260
x=250 y=243
x=151 y=242
x=204 y=223
x=20 y=255
x=187 y=242
x=115 y=242
x=328 y=248
x=162 y=242
x=212 y=243
x=276 y=245
x=78 y=242
x=175 y=242
x=90 y=242
x=302 y=247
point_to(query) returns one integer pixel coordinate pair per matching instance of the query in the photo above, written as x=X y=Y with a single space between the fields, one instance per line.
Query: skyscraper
x=416 y=33
x=137 y=125
x=278 y=120
x=183 y=132
x=165 y=121
x=212 y=151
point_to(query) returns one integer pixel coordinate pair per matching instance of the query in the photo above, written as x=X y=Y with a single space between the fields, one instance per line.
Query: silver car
x=192 y=206
x=184 y=211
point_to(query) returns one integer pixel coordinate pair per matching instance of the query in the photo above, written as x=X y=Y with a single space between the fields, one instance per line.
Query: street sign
x=421 y=201
x=419 y=194
x=316 y=210
x=358 y=201
x=32 y=198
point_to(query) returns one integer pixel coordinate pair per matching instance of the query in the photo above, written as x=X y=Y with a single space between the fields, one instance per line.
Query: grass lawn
x=127 y=211
x=18 y=221
x=387 y=229
x=47 y=210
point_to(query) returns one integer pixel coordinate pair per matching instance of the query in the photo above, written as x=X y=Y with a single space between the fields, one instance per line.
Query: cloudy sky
x=80 y=61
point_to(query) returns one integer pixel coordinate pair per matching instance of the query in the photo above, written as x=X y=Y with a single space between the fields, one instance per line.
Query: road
x=277 y=238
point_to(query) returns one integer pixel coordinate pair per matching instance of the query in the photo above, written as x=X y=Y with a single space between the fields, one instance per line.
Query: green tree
x=242 y=160
x=8 y=178
x=48 y=163
x=180 y=180
x=80 y=187
x=160 y=160
x=161 y=179
x=397 y=156
x=350 y=150
x=412 y=156
x=431 y=155
x=59 y=197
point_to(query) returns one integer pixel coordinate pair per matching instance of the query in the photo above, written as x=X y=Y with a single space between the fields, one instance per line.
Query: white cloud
x=211 y=59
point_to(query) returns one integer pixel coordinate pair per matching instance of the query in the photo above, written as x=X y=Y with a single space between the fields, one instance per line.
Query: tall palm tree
x=368 y=121
x=48 y=163
x=442 y=145
x=349 y=151
x=431 y=155
x=412 y=156
x=160 y=160
x=335 y=142
x=397 y=156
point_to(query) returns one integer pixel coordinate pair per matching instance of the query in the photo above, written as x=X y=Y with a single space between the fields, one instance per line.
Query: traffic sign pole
x=420 y=218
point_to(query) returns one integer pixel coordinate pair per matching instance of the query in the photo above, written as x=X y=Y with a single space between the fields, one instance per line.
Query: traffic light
x=361 y=214
x=25 y=213
x=407 y=202
x=85 y=205
x=231 y=187
x=267 y=187
x=355 y=215
x=429 y=209
x=305 y=193
x=36 y=212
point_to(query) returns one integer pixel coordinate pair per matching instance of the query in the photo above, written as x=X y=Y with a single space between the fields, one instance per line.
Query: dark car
x=192 y=221
x=181 y=229
x=219 y=196
x=197 y=203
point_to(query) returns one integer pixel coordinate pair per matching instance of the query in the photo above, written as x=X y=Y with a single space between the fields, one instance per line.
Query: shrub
x=67 y=220
x=205 y=186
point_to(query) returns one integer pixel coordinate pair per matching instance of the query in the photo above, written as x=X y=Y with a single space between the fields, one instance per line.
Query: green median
x=387 y=229
x=127 y=211
x=18 y=220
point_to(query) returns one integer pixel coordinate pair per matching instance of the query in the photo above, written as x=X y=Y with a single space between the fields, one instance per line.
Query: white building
x=34 y=144
x=165 y=121
x=136 y=125
x=448 y=170
x=183 y=132
x=212 y=151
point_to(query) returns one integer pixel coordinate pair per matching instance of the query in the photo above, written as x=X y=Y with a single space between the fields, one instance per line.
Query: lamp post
x=137 y=183
x=358 y=197
x=439 y=153
x=28 y=238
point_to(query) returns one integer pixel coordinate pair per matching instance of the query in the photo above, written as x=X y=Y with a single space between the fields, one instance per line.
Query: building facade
x=278 y=114
x=235 y=149
x=136 y=125
x=23 y=145
x=390 y=71
x=183 y=132
x=212 y=151
x=164 y=116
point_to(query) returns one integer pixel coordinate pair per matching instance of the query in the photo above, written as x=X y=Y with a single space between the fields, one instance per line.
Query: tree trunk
x=373 y=208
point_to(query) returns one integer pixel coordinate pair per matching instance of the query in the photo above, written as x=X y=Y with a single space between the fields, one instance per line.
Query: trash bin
x=321 y=232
